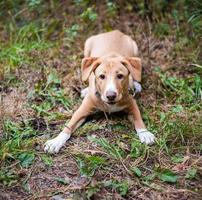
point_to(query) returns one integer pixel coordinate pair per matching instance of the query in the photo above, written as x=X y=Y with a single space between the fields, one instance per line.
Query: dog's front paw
x=137 y=86
x=54 y=145
x=146 y=136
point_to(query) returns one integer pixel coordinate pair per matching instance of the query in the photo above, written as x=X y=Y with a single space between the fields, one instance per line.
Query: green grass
x=105 y=154
x=22 y=43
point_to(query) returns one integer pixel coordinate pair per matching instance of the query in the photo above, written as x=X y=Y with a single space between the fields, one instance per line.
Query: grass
x=40 y=54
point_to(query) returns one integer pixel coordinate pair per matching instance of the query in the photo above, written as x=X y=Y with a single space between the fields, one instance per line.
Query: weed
x=112 y=8
x=91 y=191
x=47 y=160
x=89 y=164
x=62 y=180
x=33 y=3
x=30 y=30
x=50 y=95
x=162 y=29
x=89 y=15
x=72 y=32
x=137 y=149
x=22 y=42
x=82 y=2
x=26 y=159
x=188 y=91
x=113 y=151
x=167 y=175
x=89 y=127
x=8 y=177
x=191 y=173
x=137 y=171
x=120 y=186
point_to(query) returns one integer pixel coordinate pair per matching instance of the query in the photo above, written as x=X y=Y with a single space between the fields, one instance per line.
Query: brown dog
x=110 y=65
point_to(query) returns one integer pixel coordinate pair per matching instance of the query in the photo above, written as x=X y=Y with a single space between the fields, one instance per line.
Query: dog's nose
x=110 y=95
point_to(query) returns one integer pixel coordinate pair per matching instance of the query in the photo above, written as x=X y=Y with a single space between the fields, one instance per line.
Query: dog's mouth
x=111 y=102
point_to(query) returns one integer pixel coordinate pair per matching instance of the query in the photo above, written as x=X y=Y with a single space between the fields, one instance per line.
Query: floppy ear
x=134 y=66
x=87 y=66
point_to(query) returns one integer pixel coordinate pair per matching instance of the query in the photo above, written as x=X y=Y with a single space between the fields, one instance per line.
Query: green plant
x=162 y=29
x=112 y=8
x=33 y=3
x=51 y=95
x=89 y=164
x=89 y=15
x=120 y=186
x=8 y=177
x=191 y=173
x=167 y=175
x=111 y=149
x=82 y=2
x=72 y=32
x=187 y=90
x=15 y=138
x=22 y=42
x=26 y=159
x=137 y=149
x=137 y=171
x=195 y=17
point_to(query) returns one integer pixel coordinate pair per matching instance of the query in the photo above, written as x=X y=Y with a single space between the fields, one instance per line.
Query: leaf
x=26 y=159
x=136 y=149
x=108 y=183
x=191 y=173
x=89 y=14
x=119 y=127
x=63 y=181
x=121 y=187
x=53 y=78
x=168 y=176
x=47 y=160
x=177 y=158
x=88 y=164
x=111 y=149
x=177 y=109
x=137 y=171
x=8 y=177
x=91 y=191
x=149 y=177
x=162 y=116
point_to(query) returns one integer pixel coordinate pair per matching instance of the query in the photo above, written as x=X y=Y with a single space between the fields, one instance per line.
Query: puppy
x=110 y=65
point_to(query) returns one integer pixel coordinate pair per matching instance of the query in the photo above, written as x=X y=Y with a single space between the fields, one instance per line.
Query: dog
x=111 y=66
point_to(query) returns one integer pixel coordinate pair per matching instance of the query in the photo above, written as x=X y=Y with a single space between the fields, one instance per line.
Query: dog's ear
x=134 y=66
x=88 y=65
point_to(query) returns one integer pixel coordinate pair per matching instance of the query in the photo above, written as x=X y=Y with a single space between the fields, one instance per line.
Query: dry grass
x=33 y=110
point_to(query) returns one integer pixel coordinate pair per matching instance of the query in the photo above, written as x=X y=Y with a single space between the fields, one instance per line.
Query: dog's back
x=110 y=42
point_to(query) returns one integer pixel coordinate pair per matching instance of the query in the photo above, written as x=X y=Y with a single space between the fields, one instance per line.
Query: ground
x=41 y=47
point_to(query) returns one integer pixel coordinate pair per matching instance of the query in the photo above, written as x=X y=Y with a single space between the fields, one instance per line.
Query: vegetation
x=41 y=45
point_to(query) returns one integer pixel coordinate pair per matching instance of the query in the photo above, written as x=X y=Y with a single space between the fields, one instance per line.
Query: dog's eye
x=119 y=76
x=102 y=76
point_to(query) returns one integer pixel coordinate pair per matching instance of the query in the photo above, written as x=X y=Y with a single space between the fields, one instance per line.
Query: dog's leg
x=55 y=144
x=136 y=119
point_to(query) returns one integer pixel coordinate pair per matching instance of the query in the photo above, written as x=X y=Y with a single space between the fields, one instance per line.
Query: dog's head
x=112 y=75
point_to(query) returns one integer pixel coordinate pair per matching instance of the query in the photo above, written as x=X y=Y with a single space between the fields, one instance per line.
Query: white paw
x=84 y=92
x=137 y=86
x=146 y=136
x=54 y=145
